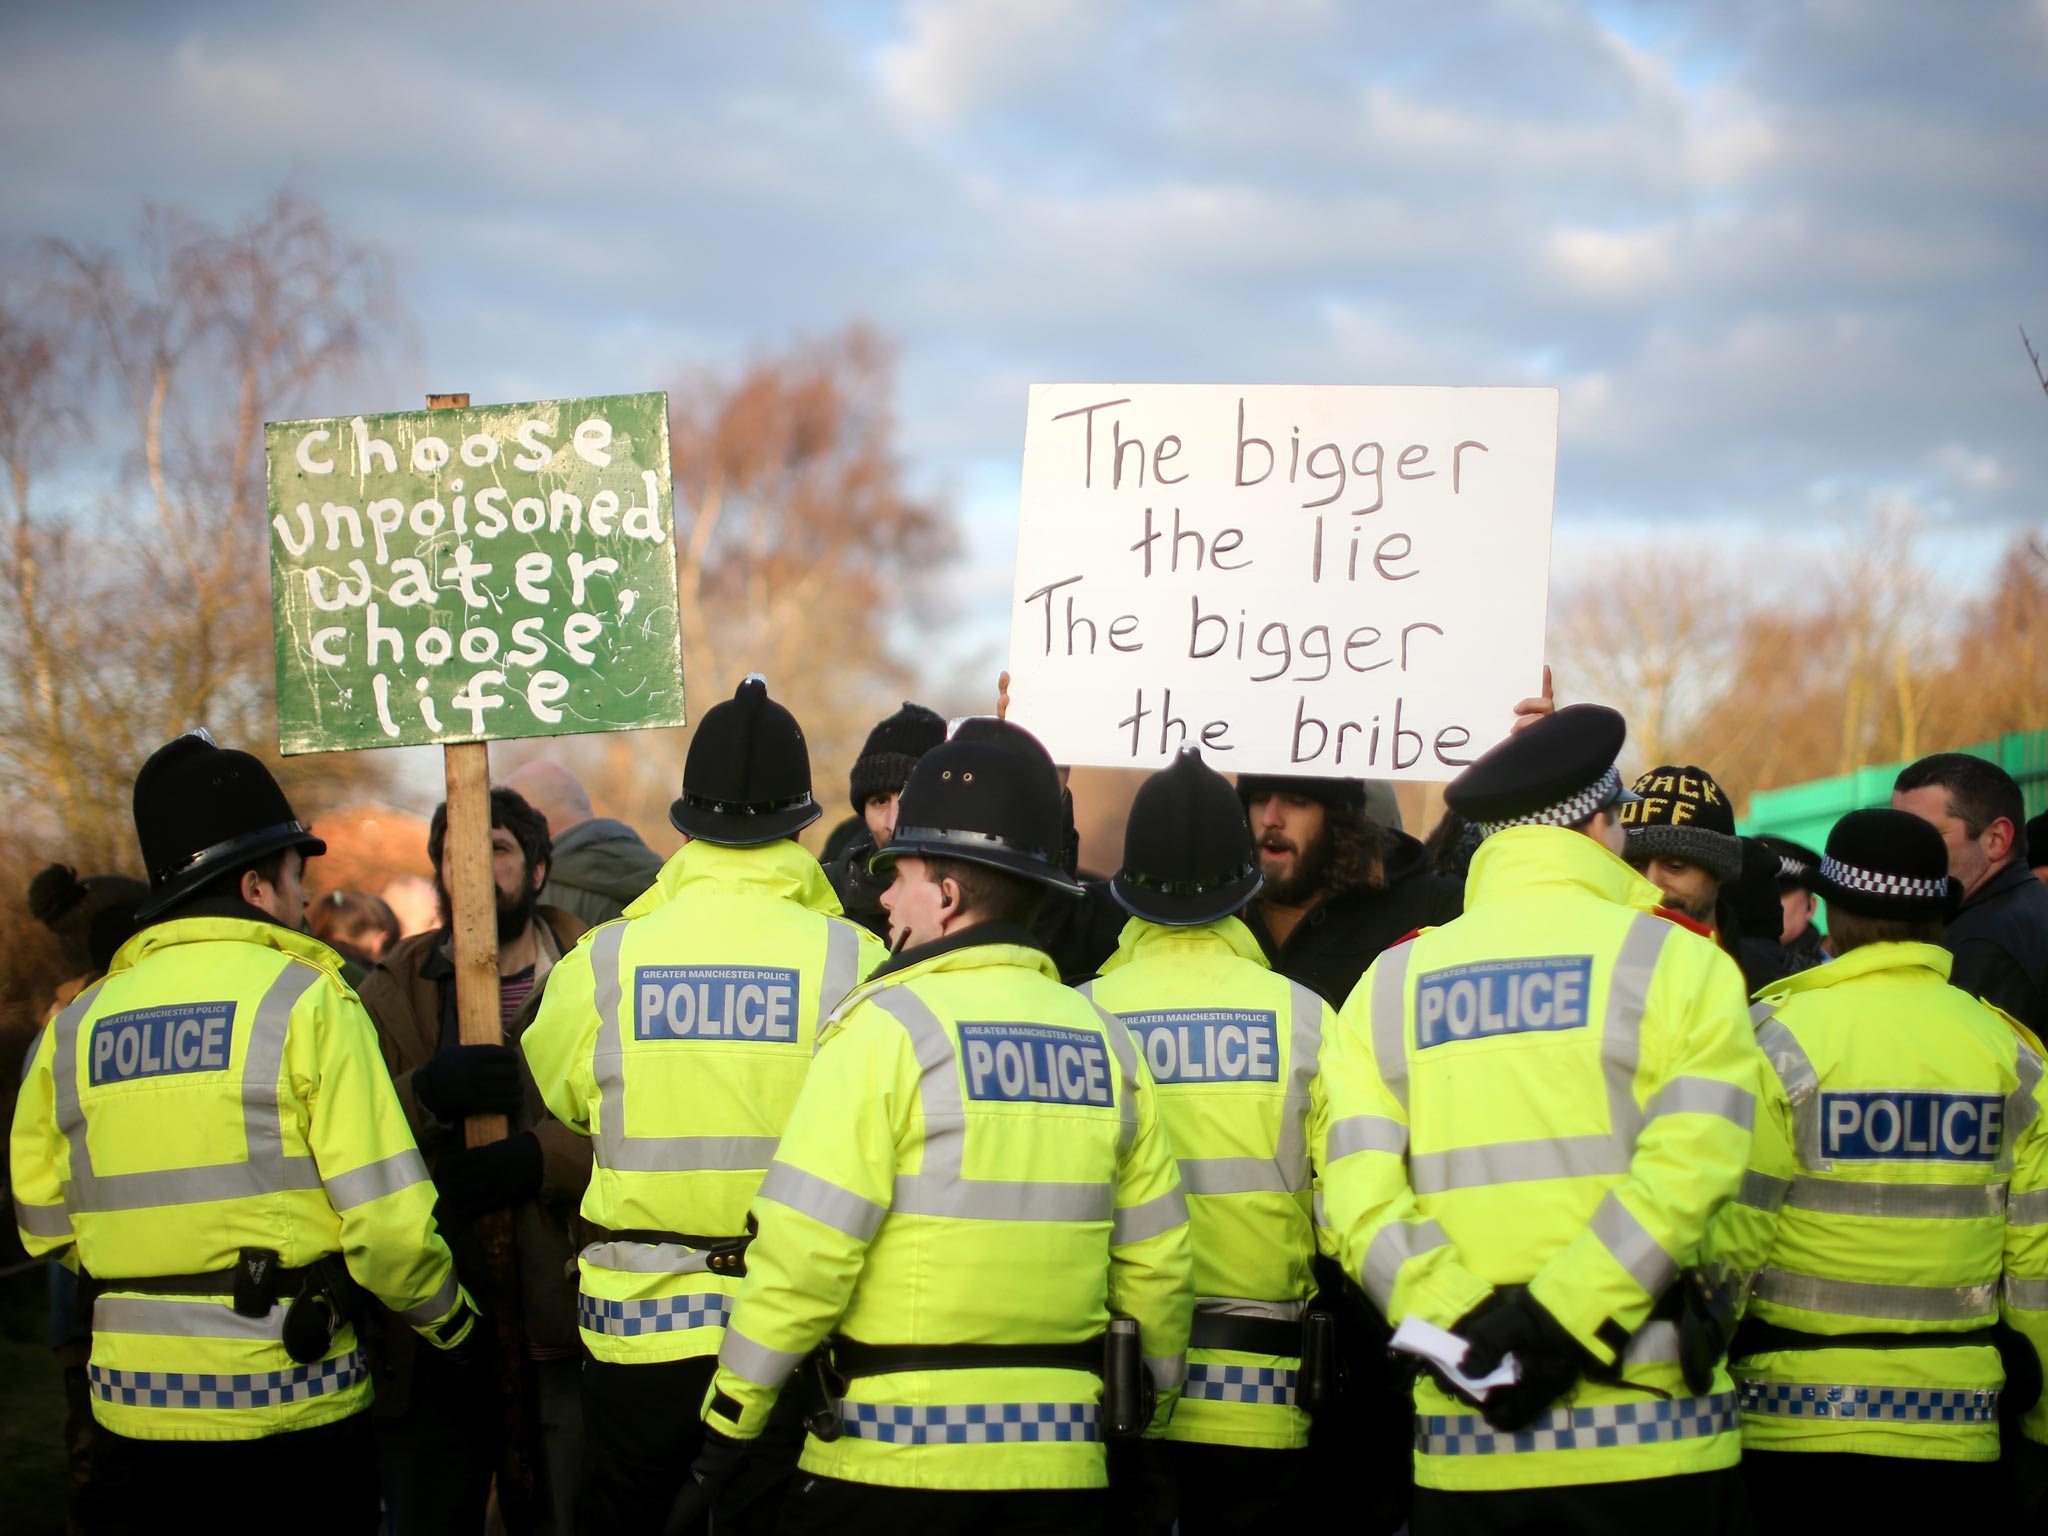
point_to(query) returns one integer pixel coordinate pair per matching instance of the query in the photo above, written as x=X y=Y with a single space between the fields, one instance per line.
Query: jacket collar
x=1526 y=861
x=970 y=942
x=782 y=869
x=2015 y=876
x=1142 y=940
x=594 y=829
x=548 y=947
x=1913 y=964
x=209 y=928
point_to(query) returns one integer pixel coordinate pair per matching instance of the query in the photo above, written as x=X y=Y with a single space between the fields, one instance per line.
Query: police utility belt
x=1114 y=1356
x=1312 y=1341
x=722 y=1255
x=318 y=1297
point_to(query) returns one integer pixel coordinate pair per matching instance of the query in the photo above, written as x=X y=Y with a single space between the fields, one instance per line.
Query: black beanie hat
x=1682 y=812
x=1887 y=863
x=202 y=812
x=747 y=778
x=892 y=750
x=1187 y=848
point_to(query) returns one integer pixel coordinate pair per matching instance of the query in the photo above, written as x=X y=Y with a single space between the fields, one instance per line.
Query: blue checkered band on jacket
x=1581 y=1429
x=664 y=1314
x=1898 y=1405
x=1240 y=1384
x=1876 y=882
x=972 y=1423
x=248 y=1389
x=1566 y=813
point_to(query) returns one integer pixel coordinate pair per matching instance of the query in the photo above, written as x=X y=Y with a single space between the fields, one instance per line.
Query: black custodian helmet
x=202 y=812
x=747 y=778
x=1187 y=848
x=990 y=795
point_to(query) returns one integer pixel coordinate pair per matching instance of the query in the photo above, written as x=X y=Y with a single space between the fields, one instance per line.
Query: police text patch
x=1502 y=997
x=747 y=1003
x=1910 y=1127
x=1036 y=1062
x=1208 y=1045
x=158 y=1042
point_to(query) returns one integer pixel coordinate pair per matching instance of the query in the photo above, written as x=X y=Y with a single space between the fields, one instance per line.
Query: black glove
x=715 y=1465
x=473 y=1180
x=1515 y=1323
x=469 y=1080
x=1143 y=1496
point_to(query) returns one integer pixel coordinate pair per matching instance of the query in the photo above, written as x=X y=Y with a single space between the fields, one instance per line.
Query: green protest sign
x=474 y=574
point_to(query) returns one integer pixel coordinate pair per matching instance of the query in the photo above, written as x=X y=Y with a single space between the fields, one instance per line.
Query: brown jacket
x=411 y=997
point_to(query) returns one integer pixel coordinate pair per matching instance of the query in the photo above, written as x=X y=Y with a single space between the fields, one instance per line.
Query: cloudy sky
x=1774 y=255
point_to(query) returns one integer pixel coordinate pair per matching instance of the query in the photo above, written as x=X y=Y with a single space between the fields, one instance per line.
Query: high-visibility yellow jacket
x=676 y=1038
x=219 y=1090
x=1555 y=1090
x=1900 y=1171
x=1232 y=1049
x=977 y=1159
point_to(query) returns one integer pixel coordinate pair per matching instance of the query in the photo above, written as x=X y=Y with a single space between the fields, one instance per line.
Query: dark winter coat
x=859 y=892
x=598 y=866
x=1343 y=933
x=411 y=999
x=2000 y=941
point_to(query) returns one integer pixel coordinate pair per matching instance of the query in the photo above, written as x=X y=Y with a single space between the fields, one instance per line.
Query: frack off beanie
x=1683 y=814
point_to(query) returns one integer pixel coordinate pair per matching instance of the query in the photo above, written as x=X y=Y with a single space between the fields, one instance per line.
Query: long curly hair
x=1358 y=850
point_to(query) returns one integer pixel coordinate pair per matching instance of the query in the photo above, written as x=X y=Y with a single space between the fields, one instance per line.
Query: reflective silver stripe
x=757 y=1363
x=2022 y=1109
x=2027 y=1210
x=620 y=1151
x=1235 y=1176
x=842 y=964
x=1802 y=1086
x=1242 y=1306
x=939 y=1188
x=1761 y=1013
x=1304 y=1045
x=1653 y=1344
x=266 y=1171
x=823 y=1201
x=1391 y=1247
x=1126 y=1053
x=1839 y=1197
x=1167 y=1371
x=373 y=1181
x=1633 y=1246
x=647 y=1258
x=1898 y=1405
x=1389 y=1018
x=193 y=1317
x=1761 y=1191
x=2027 y=1295
x=1003 y=1200
x=1856 y=1298
x=1515 y=1162
x=1581 y=1429
x=1364 y=1133
x=436 y=1306
x=43 y=1220
x=1621 y=1040
x=1705 y=1096
x=1135 y=1223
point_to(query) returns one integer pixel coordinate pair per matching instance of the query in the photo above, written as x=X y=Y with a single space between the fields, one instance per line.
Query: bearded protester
x=1681 y=836
x=439 y=1424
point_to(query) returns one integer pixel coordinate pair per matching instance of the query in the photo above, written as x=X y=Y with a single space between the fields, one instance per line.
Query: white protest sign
x=1317 y=580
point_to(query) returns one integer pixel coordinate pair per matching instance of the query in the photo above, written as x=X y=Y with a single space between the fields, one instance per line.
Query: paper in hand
x=1445 y=1350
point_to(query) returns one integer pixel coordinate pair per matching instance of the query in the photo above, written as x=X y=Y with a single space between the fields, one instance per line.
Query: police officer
x=1232 y=1048
x=974 y=1182
x=1533 y=1112
x=676 y=1038
x=204 y=1134
x=1900 y=1171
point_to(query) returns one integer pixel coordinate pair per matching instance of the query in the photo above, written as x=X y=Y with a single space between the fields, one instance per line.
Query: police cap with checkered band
x=1887 y=863
x=1554 y=773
